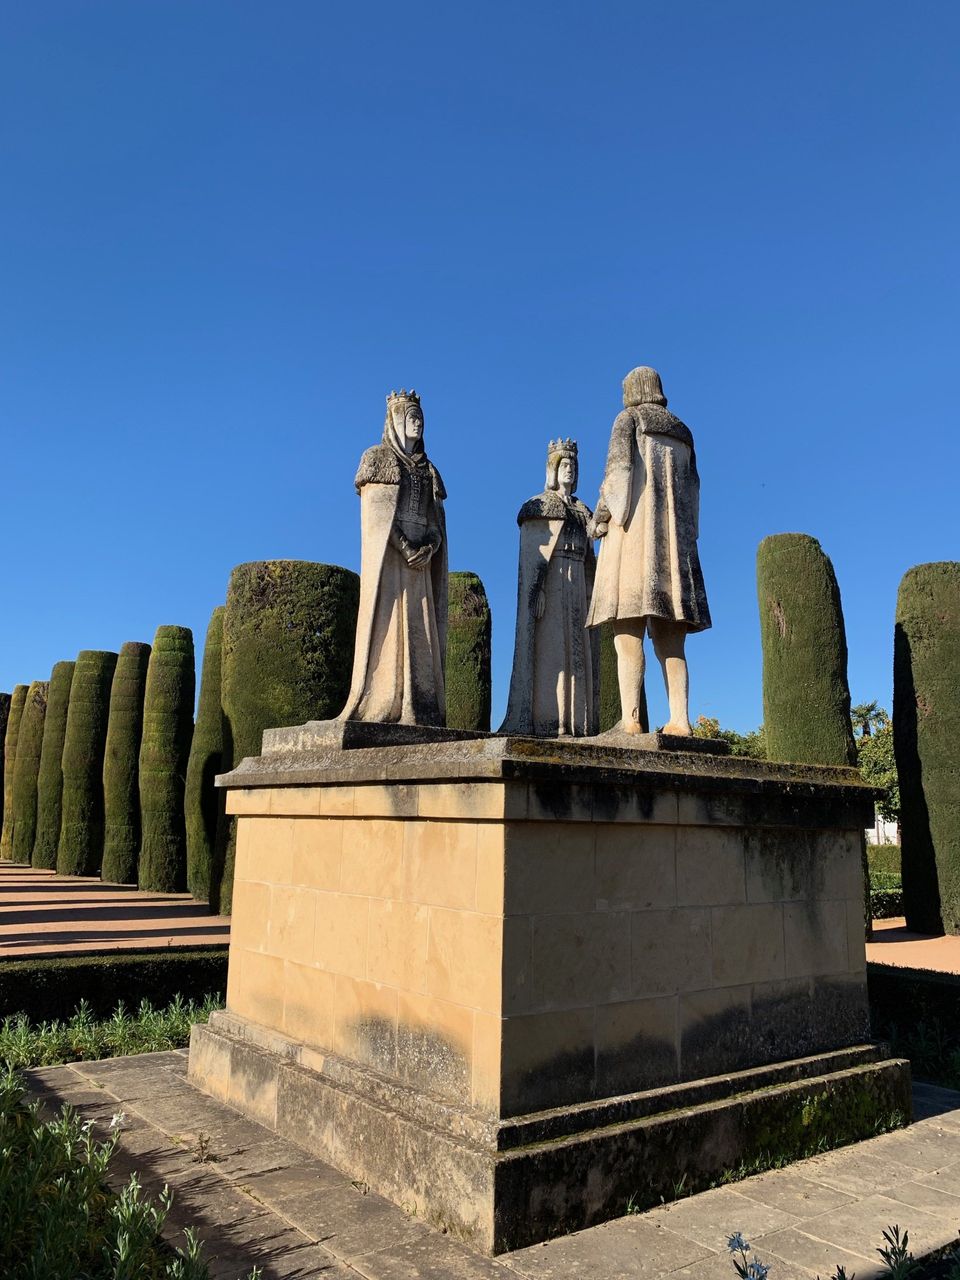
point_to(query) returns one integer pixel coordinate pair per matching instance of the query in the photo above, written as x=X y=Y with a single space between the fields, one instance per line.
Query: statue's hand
x=417 y=557
x=600 y=528
x=541 y=604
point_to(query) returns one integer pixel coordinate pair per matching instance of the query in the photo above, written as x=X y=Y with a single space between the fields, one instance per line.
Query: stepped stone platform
x=43 y=914
x=258 y=1199
x=512 y=983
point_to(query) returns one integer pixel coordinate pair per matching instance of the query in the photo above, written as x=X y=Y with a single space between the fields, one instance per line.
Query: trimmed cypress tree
x=203 y=802
x=50 y=776
x=164 y=751
x=17 y=700
x=4 y=715
x=468 y=680
x=121 y=765
x=610 y=710
x=29 y=743
x=806 y=698
x=80 y=850
x=288 y=636
x=926 y=725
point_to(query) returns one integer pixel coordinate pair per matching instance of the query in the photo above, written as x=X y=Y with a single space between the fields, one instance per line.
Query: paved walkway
x=258 y=1199
x=893 y=943
x=43 y=914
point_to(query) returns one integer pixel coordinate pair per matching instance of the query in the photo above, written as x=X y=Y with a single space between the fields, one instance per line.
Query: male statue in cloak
x=400 y=654
x=555 y=676
x=648 y=571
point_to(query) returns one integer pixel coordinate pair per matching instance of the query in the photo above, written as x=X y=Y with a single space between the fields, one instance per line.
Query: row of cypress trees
x=806 y=703
x=104 y=770
x=94 y=761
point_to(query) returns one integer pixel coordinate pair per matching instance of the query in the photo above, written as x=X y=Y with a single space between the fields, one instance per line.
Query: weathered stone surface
x=400 y=653
x=648 y=572
x=534 y=1177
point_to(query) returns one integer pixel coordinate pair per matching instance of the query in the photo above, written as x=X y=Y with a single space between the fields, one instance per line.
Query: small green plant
x=84 y=1038
x=895 y=1254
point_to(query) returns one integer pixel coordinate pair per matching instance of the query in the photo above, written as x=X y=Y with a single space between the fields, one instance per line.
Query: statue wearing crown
x=555 y=676
x=398 y=664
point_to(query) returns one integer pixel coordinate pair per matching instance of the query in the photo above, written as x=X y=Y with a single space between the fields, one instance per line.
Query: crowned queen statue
x=398 y=664
x=555 y=662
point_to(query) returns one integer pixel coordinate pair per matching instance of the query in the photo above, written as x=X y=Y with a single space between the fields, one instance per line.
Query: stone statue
x=398 y=664
x=648 y=572
x=555 y=659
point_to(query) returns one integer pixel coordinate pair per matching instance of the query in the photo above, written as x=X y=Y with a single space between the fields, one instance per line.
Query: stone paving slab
x=257 y=1199
x=43 y=914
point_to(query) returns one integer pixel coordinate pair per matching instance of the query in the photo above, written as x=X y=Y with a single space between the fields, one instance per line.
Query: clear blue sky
x=227 y=229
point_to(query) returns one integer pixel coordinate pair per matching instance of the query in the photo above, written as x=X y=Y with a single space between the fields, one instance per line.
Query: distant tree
x=878 y=766
x=867 y=716
x=752 y=744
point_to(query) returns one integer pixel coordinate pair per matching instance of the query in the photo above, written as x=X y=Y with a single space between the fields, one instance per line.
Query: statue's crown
x=403 y=397
x=566 y=448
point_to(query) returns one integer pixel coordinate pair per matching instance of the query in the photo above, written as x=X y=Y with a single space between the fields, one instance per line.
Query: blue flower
x=756 y=1270
x=737 y=1244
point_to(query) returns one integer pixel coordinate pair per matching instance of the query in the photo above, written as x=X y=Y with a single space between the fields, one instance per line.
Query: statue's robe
x=555 y=679
x=649 y=566
x=400 y=652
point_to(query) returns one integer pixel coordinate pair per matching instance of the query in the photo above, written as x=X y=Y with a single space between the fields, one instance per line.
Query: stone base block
x=500 y=1184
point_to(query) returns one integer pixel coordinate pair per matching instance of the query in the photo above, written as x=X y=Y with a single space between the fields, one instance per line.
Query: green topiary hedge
x=203 y=802
x=80 y=850
x=50 y=988
x=50 y=774
x=468 y=680
x=288 y=636
x=926 y=732
x=164 y=752
x=610 y=709
x=17 y=701
x=4 y=715
x=121 y=765
x=29 y=744
x=806 y=699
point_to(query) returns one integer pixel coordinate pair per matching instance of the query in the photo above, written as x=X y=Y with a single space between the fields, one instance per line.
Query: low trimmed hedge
x=886 y=903
x=918 y=1011
x=52 y=987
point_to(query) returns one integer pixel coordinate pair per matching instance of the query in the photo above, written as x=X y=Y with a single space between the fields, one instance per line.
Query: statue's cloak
x=385 y=579
x=541 y=522
x=649 y=565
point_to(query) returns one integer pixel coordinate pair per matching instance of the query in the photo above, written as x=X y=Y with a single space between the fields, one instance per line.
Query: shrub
x=4 y=715
x=884 y=859
x=24 y=794
x=50 y=987
x=59 y=1217
x=288 y=637
x=50 y=774
x=81 y=826
x=926 y=726
x=12 y=732
x=203 y=802
x=84 y=1038
x=886 y=901
x=806 y=699
x=121 y=765
x=468 y=681
x=609 y=695
x=164 y=752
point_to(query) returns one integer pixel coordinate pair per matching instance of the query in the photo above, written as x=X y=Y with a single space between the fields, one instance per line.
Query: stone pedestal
x=514 y=984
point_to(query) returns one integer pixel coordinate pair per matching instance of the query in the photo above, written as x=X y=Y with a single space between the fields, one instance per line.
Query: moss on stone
x=17 y=700
x=806 y=698
x=24 y=797
x=926 y=725
x=203 y=802
x=468 y=680
x=610 y=710
x=50 y=774
x=288 y=637
x=164 y=752
x=80 y=849
x=121 y=765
